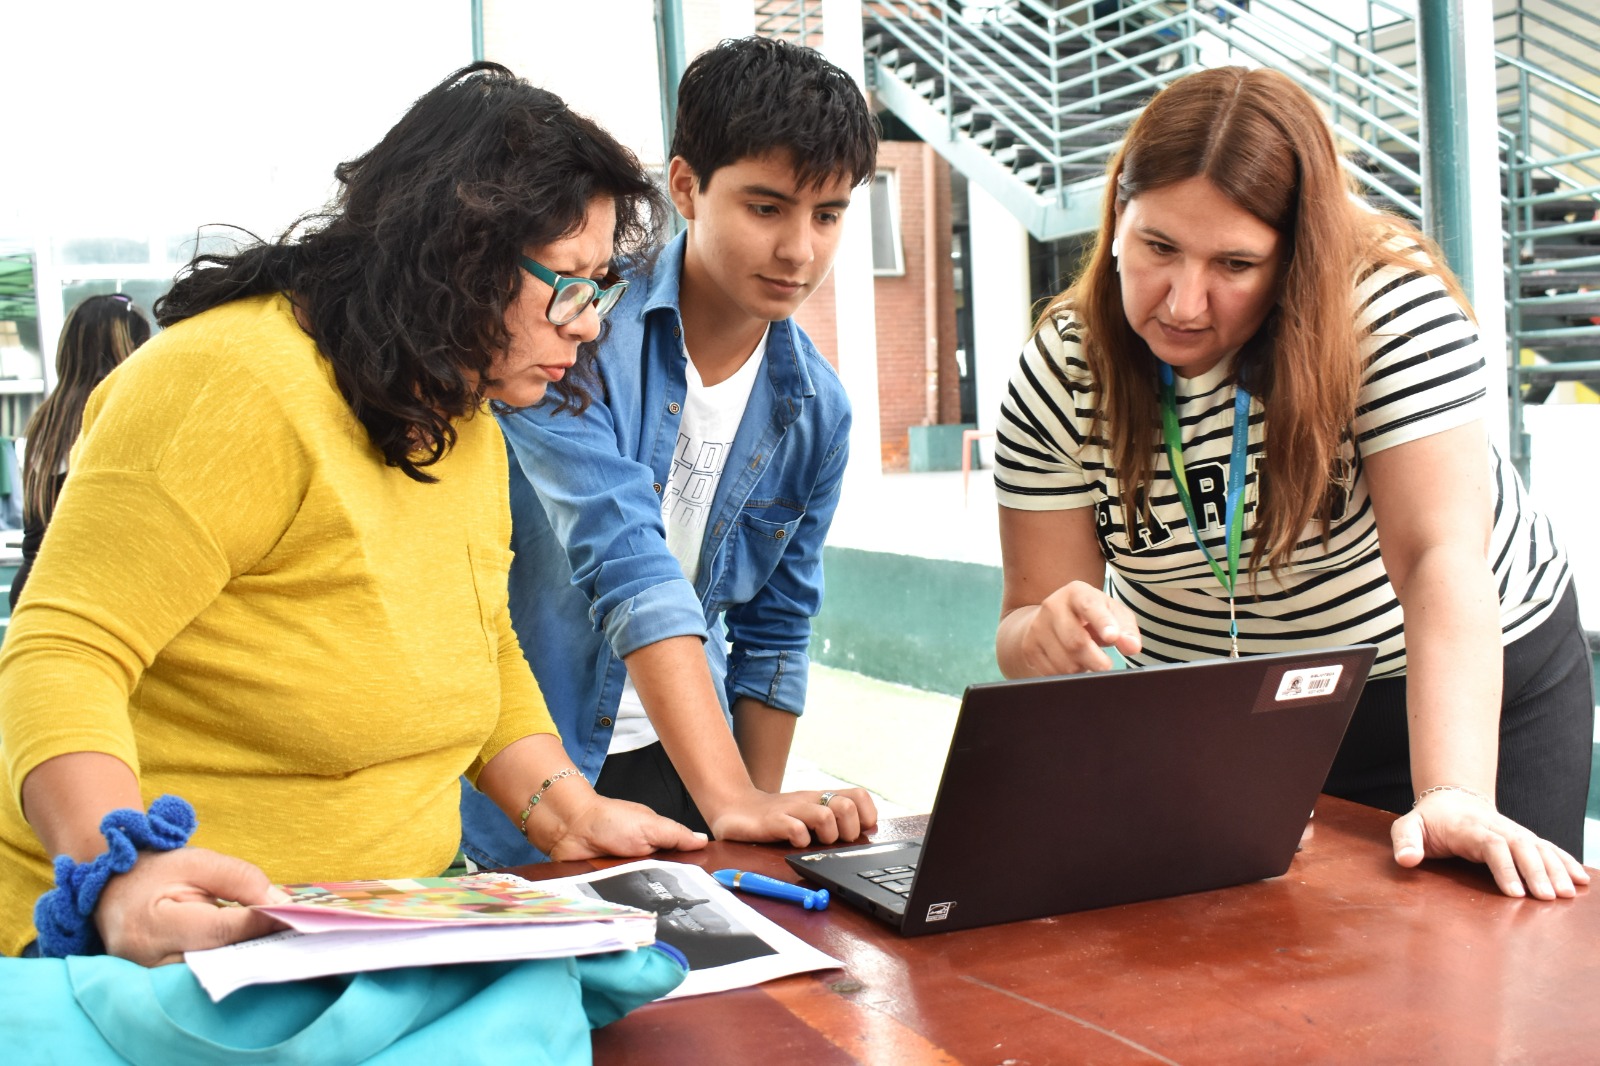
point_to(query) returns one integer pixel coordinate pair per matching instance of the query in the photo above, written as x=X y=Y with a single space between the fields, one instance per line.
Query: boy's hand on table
x=797 y=817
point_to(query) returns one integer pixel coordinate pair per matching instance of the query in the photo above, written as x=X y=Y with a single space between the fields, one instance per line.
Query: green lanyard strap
x=1236 y=478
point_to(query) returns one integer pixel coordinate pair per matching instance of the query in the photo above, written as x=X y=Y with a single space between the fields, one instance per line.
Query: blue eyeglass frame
x=603 y=299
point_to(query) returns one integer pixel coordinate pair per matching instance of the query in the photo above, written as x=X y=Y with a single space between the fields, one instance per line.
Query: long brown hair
x=1261 y=140
x=99 y=333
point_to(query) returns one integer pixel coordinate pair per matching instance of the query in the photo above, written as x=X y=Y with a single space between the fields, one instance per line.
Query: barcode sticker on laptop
x=1304 y=684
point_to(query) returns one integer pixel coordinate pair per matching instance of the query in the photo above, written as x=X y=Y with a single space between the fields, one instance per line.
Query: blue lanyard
x=1236 y=479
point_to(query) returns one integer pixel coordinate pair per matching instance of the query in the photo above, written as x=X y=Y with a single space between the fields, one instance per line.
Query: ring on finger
x=827 y=798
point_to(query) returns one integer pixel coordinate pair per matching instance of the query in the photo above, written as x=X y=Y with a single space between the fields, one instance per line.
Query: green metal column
x=477 y=31
x=670 y=61
x=1446 y=215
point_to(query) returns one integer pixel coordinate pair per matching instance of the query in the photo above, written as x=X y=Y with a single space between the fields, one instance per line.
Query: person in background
x=276 y=585
x=683 y=511
x=98 y=334
x=1310 y=372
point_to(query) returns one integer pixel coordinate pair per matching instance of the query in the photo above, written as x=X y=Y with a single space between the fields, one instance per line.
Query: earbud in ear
x=1116 y=247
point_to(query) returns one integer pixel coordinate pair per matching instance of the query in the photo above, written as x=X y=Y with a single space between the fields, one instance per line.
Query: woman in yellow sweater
x=275 y=584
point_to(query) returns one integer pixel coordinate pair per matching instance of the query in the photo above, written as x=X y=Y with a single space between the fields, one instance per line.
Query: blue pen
x=770 y=886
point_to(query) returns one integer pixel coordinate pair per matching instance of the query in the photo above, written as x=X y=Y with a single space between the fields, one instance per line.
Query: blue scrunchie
x=64 y=916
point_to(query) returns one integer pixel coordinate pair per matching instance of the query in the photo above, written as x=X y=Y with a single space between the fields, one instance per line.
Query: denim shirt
x=593 y=580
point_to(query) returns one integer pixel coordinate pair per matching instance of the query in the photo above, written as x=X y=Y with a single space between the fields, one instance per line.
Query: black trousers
x=1546 y=735
x=647 y=776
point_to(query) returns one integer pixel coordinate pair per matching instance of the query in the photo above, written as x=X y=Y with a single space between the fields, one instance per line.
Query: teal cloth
x=99 y=1009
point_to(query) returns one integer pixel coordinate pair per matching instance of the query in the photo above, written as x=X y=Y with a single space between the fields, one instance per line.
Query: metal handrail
x=1356 y=70
x=1029 y=106
x=1551 y=48
x=1554 y=79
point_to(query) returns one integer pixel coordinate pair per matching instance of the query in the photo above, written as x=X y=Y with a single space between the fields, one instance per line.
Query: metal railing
x=796 y=21
x=1551 y=132
x=1045 y=87
x=1049 y=87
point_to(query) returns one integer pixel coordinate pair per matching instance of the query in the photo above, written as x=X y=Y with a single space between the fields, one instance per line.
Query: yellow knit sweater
x=237 y=598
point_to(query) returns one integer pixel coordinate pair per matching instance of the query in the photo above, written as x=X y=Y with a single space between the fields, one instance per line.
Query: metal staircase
x=1546 y=51
x=1029 y=98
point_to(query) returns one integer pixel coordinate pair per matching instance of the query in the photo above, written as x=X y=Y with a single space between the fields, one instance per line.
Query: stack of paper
x=346 y=927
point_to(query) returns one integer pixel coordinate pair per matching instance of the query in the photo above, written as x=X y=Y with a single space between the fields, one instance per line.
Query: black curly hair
x=404 y=279
x=753 y=96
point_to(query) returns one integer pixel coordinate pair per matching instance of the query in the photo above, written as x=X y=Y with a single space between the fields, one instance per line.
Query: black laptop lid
x=1063 y=794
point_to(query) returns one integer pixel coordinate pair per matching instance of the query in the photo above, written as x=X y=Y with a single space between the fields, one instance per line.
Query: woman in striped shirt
x=1311 y=371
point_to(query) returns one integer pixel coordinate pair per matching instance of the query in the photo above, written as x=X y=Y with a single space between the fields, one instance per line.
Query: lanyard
x=1236 y=480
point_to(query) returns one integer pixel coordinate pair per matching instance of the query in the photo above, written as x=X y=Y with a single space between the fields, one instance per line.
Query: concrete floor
x=887 y=738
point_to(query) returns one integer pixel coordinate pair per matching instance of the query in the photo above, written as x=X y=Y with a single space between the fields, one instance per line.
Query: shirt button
x=657 y=487
x=677 y=331
x=780 y=534
x=605 y=723
x=672 y=408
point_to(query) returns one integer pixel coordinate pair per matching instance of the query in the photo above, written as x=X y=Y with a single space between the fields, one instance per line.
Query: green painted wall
x=927 y=623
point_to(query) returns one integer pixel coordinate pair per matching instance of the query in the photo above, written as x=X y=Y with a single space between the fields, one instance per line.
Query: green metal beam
x=1047 y=219
x=1446 y=192
x=477 y=31
x=670 y=61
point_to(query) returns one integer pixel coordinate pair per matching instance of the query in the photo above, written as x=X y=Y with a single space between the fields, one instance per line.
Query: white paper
x=729 y=944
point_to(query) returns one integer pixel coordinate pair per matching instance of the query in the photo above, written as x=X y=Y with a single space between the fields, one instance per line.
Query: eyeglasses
x=572 y=295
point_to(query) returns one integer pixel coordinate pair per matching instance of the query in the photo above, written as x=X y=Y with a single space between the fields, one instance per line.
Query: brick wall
x=816 y=317
x=906 y=395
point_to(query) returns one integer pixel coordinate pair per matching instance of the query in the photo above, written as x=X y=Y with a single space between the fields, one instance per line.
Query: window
x=888 y=258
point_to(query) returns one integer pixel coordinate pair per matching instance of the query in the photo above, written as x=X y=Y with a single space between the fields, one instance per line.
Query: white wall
x=618 y=82
x=137 y=119
x=1566 y=464
x=1000 y=313
x=613 y=78
x=147 y=121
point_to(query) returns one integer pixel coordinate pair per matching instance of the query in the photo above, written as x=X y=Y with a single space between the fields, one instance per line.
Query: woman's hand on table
x=1457 y=823
x=1067 y=632
x=168 y=904
x=598 y=825
x=796 y=817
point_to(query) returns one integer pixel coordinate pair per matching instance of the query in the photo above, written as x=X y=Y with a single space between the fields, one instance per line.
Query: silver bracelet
x=1451 y=788
x=533 y=800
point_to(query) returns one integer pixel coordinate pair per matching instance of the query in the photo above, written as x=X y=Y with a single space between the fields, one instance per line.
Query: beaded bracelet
x=533 y=800
x=64 y=916
x=1451 y=788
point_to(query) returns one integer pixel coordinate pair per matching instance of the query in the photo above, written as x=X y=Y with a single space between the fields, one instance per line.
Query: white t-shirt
x=711 y=417
x=1422 y=375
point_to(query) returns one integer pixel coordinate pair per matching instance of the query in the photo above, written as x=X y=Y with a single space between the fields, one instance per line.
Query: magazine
x=349 y=927
x=476 y=899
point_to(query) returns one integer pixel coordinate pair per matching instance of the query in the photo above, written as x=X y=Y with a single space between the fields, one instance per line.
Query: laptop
x=1069 y=793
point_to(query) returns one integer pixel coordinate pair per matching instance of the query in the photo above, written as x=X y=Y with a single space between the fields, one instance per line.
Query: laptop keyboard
x=896 y=879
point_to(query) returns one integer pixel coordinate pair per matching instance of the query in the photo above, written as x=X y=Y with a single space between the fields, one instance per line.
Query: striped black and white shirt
x=1422 y=376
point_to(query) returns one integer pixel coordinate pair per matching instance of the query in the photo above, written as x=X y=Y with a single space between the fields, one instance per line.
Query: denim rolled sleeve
x=607 y=519
x=771 y=632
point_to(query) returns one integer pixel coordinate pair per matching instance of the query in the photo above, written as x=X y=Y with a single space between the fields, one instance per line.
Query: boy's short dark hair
x=756 y=95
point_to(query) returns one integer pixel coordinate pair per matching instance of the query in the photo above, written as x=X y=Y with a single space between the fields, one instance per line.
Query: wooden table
x=1345 y=959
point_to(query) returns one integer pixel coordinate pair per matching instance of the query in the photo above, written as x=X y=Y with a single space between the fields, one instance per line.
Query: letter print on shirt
x=696 y=469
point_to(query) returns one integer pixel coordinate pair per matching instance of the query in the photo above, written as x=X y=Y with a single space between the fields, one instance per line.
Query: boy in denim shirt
x=683 y=510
